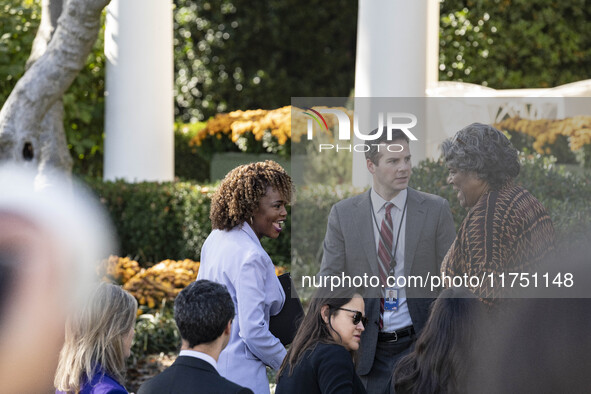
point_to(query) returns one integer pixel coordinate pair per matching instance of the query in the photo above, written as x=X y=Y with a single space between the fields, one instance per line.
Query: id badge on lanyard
x=391 y=298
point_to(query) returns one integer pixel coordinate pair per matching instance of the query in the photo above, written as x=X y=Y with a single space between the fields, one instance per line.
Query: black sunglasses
x=357 y=317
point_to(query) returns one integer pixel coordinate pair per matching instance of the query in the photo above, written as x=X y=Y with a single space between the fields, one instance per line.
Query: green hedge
x=158 y=221
x=171 y=220
x=19 y=21
x=190 y=163
x=239 y=54
x=559 y=148
x=564 y=195
x=509 y=44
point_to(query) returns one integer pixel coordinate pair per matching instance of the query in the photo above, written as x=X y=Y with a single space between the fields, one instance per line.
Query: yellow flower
x=545 y=131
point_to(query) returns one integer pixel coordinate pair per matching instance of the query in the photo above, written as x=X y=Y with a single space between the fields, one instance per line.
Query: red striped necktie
x=385 y=253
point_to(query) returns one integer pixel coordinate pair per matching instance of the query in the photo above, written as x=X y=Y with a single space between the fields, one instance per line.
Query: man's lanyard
x=373 y=214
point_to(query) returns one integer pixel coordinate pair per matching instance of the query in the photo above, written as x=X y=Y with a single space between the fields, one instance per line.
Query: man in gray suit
x=389 y=232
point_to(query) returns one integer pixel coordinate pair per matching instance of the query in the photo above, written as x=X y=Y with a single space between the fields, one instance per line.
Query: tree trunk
x=31 y=121
x=54 y=147
x=50 y=13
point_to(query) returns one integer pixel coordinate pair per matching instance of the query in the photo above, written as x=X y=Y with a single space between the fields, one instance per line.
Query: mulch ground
x=145 y=368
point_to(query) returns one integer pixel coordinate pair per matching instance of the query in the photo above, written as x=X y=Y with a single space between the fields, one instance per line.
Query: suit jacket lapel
x=363 y=223
x=415 y=218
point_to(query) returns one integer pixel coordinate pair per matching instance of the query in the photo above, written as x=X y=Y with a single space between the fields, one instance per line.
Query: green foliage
x=158 y=221
x=559 y=149
x=155 y=332
x=563 y=194
x=583 y=156
x=19 y=21
x=310 y=215
x=508 y=44
x=466 y=39
x=213 y=144
x=238 y=54
x=190 y=163
x=247 y=143
x=330 y=167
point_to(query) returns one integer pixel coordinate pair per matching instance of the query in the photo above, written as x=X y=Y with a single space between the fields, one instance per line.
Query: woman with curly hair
x=248 y=205
x=506 y=229
x=98 y=340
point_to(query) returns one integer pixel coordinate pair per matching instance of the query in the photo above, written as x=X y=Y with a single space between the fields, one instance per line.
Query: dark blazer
x=190 y=375
x=328 y=368
x=350 y=247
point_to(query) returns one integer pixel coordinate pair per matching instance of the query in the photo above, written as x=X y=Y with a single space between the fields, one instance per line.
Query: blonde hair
x=95 y=336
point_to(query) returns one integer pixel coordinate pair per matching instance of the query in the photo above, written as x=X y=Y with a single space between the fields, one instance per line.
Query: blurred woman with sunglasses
x=320 y=359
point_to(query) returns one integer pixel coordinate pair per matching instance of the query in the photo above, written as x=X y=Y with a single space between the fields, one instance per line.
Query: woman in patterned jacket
x=506 y=230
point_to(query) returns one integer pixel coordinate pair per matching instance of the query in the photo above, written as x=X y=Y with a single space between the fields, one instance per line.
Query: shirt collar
x=378 y=202
x=248 y=230
x=200 y=355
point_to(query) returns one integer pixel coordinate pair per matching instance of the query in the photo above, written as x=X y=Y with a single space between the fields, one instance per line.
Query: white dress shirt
x=393 y=320
x=202 y=356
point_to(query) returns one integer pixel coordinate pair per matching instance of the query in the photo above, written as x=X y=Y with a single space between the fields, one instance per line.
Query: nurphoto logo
x=393 y=120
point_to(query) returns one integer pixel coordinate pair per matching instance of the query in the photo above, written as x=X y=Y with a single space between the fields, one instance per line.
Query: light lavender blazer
x=236 y=259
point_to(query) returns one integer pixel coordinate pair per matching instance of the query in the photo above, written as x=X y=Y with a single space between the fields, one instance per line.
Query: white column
x=139 y=138
x=397 y=56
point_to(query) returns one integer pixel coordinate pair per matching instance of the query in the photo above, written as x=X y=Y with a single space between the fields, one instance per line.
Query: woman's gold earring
x=251 y=220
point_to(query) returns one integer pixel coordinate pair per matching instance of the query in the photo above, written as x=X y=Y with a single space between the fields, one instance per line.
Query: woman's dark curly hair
x=485 y=150
x=239 y=194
